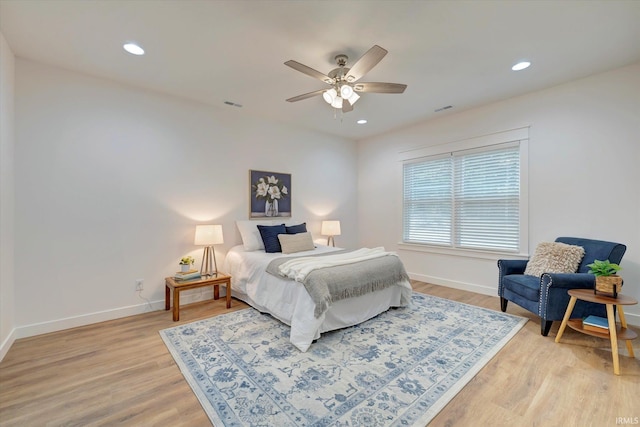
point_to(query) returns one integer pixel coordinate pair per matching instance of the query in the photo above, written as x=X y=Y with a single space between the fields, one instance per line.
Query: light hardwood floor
x=120 y=373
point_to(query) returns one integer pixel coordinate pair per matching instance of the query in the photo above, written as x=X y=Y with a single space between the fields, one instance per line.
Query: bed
x=288 y=300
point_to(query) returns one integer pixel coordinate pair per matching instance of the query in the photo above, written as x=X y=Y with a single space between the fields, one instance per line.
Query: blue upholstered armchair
x=546 y=296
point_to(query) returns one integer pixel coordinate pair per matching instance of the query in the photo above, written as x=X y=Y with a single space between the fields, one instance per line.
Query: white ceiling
x=448 y=52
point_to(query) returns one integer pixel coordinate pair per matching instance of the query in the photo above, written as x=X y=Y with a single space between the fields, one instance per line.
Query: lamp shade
x=353 y=98
x=346 y=91
x=330 y=228
x=207 y=235
x=329 y=95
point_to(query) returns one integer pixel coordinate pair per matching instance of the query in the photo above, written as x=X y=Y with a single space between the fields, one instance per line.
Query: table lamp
x=207 y=236
x=330 y=228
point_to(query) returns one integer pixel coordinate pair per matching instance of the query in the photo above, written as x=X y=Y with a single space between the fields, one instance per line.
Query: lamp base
x=330 y=241
x=206 y=268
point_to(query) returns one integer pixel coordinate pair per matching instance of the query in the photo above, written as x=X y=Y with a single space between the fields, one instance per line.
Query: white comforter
x=290 y=303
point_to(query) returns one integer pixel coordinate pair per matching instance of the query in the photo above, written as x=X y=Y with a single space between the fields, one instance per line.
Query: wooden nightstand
x=182 y=285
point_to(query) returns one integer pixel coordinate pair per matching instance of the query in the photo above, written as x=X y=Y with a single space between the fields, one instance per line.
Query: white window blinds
x=428 y=203
x=468 y=199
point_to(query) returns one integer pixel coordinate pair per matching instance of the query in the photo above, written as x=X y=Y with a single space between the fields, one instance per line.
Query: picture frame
x=269 y=194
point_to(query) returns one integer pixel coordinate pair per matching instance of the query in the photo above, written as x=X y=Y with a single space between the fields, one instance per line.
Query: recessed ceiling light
x=521 y=66
x=133 y=49
x=361 y=122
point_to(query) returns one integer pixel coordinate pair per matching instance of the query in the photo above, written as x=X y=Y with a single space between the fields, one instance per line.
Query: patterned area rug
x=399 y=368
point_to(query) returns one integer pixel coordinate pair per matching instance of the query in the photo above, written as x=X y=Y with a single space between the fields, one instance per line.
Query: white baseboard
x=632 y=318
x=195 y=296
x=186 y=297
x=86 y=319
x=471 y=287
x=7 y=343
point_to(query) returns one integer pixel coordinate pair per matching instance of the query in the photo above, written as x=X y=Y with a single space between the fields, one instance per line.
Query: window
x=467 y=199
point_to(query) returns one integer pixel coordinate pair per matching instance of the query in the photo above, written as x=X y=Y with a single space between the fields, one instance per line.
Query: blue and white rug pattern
x=397 y=369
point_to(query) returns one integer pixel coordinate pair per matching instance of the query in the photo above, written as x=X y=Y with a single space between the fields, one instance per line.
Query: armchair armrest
x=568 y=280
x=512 y=266
x=554 y=297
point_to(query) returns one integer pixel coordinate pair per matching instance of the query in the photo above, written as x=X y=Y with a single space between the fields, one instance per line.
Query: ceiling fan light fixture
x=330 y=95
x=353 y=98
x=342 y=80
x=346 y=91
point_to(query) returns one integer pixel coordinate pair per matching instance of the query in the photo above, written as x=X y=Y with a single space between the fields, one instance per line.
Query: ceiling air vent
x=443 y=108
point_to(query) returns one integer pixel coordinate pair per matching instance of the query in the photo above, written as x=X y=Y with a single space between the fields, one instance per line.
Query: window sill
x=467 y=253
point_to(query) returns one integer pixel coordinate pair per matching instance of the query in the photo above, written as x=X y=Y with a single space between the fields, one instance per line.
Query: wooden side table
x=615 y=332
x=183 y=285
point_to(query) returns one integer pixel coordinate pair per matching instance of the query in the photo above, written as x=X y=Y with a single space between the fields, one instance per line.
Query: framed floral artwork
x=270 y=194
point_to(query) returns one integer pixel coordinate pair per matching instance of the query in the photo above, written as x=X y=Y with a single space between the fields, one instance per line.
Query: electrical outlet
x=139 y=285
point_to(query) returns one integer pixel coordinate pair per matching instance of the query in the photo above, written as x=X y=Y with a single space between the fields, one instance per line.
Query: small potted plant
x=606 y=278
x=186 y=262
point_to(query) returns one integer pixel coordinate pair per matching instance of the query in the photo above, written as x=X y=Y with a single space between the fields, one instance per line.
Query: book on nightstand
x=595 y=324
x=191 y=274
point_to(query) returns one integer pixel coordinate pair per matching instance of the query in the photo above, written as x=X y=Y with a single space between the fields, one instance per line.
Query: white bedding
x=300 y=267
x=289 y=302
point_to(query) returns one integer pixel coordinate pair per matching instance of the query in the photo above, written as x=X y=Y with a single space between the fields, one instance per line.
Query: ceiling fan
x=343 y=81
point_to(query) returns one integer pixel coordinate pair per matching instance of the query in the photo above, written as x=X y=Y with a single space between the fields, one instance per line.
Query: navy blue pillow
x=269 y=234
x=295 y=229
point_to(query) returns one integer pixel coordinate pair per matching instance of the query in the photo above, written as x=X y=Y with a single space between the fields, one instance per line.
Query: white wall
x=584 y=173
x=7 y=65
x=111 y=181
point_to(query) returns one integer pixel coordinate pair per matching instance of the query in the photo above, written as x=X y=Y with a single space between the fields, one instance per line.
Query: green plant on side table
x=607 y=280
x=186 y=262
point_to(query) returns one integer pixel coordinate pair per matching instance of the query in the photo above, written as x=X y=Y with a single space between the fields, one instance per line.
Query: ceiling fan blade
x=346 y=106
x=366 y=63
x=379 y=87
x=306 y=95
x=310 y=71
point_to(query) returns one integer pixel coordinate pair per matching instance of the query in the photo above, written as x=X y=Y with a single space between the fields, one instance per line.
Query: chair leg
x=503 y=304
x=545 y=326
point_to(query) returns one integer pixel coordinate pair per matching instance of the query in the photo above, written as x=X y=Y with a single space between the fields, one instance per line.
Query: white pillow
x=251 y=239
x=298 y=242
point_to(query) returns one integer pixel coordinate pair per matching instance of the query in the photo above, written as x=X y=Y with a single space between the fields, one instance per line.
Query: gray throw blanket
x=326 y=285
